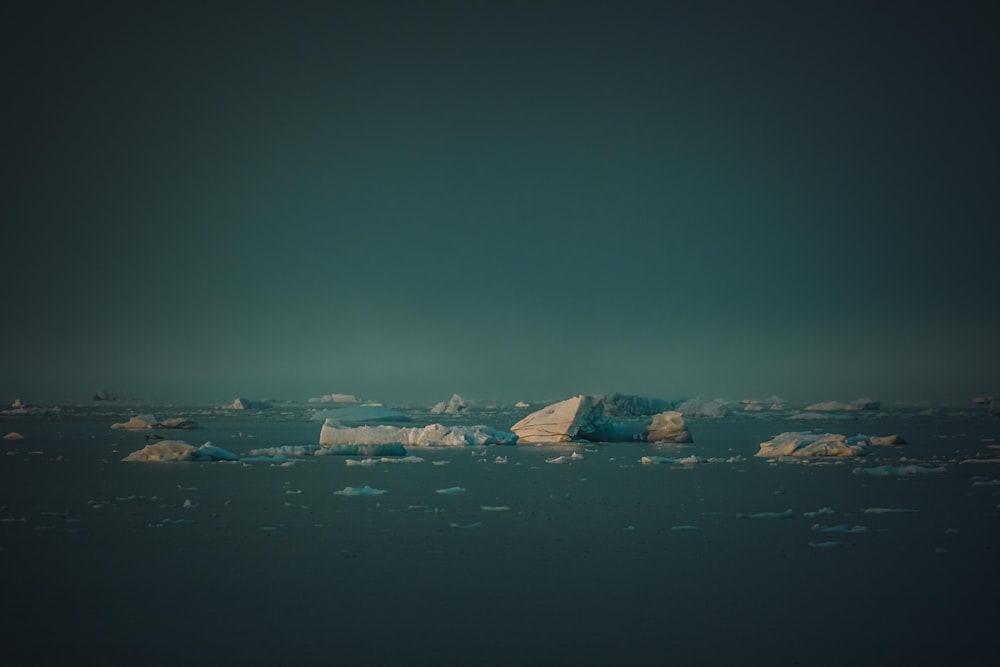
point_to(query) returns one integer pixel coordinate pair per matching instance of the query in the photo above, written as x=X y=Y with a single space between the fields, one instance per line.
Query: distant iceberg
x=802 y=444
x=146 y=422
x=335 y=398
x=835 y=406
x=455 y=406
x=584 y=417
x=334 y=433
x=247 y=404
x=702 y=407
x=178 y=450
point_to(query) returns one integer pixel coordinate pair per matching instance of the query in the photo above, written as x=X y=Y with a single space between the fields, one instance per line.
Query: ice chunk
x=387 y=449
x=522 y=404
x=835 y=406
x=899 y=471
x=888 y=510
x=13 y=435
x=145 y=422
x=840 y=528
x=178 y=450
x=451 y=491
x=887 y=440
x=334 y=398
x=456 y=405
x=820 y=512
x=803 y=444
x=787 y=514
x=247 y=404
x=494 y=508
x=434 y=435
x=283 y=450
x=684 y=527
x=360 y=491
x=585 y=418
x=370 y=461
x=702 y=407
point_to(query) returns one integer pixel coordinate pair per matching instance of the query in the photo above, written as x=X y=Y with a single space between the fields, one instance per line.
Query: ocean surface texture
x=582 y=554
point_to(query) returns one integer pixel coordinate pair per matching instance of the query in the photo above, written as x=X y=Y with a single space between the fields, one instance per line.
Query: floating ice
x=899 y=471
x=992 y=482
x=178 y=450
x=494 y=508
x=282 y=450
x=475 y=524
x=585 y=418
x=434 y=435
x=803 y=444
x=13 y=435
x=787 y=514
x=830 y=544
x=703 y=407
x=575 y=456
x=684 y=527
x=820 y=512
x=839 y=528
x=247 y=404
x=334 y=398
x=360 y=491
x=686 y=460
x=451 y=491
x=387 y=449
x=888 y=510
x=887 y=440
x=384 y=459
x=835 y=406
x=455 y=406
x=522 y=404
x=276 y=458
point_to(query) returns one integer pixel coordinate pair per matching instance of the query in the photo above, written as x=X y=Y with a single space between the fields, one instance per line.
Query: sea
x=577 y=554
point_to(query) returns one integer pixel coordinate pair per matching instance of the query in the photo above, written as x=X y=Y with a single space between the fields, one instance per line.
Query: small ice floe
x=293 y=492
x=829 y=544
x=188 y=504
x=267 y=528
x=884 y=440
x=684 y=527
x=13 y=435
x=575 y=456
x=804 y=444
x=282 y=451
x=787 y=514
x=178 y=450
x=820 y=512
x=384 y=459
x=980 y=461
x=888 y=510
x=13 y=519
x=839 y=528
x=494 y=508
x=451 y=491
x=187 y=488
x=179 y=521
x=992 y=482
x=899 y=471
x=440 y=463
x=474 y=524
x=500 y=459
x=359 y=491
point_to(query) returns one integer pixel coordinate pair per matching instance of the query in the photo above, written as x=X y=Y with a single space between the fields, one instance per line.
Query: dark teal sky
x=506 y=200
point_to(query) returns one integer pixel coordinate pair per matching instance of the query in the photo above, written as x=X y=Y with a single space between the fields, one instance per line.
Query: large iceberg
x=583 y=417
x=334 y=434
x=802 y=444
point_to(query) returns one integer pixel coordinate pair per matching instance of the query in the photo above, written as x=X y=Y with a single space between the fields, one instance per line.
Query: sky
x=507 y=200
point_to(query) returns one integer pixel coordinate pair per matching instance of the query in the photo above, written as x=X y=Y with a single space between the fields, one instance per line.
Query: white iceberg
x=146 y=422
x=178 y=450
x=334 y=398
x=456 y=405
x=360 y=491
x=13 y=435
x=335 y=434
x=247 y=404
x=803 y=444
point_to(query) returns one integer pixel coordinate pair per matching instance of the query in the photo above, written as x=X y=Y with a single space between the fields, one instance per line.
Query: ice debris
x=13 y=435
x=835 y=406
x=787 y=514
x=804 y=444
x=899 y=471
x=381 y=450
x=247 y=404
x=839 y=528
x=360 y=491
x=385 y=459
x=451 y=491
x=575 y=456
x=334 y=398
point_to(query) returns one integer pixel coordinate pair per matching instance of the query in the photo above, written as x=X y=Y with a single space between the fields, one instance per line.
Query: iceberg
x=836 y=406
x=13 y=435
x=455 y=406
x=334 y=434
x=360 y=491
x=334 y=398
x=145 y=422
x=178 y=450
x=899 y=471
x=887 y=440
x=803 y=444
x=701 y=407
x=584 y=417
x=630 y=405
x=247 y=404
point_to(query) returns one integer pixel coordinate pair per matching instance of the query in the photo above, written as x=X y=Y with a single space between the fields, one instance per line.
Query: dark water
x=601 y=560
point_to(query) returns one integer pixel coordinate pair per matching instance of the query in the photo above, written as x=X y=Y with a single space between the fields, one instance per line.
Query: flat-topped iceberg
x=178 y=450
x=803 y=444
x=584 y=417
x=334 y=433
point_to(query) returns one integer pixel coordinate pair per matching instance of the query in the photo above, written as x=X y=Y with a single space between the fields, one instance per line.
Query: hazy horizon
x=511 y=201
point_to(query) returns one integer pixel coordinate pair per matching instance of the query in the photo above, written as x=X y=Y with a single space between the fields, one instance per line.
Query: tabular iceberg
x=334 y=433
x=802 y=444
